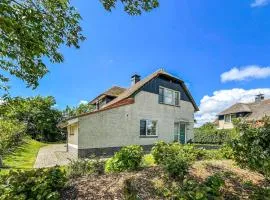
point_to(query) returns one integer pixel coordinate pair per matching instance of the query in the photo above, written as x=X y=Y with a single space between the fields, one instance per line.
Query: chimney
x=135 y=79
x=259 y=98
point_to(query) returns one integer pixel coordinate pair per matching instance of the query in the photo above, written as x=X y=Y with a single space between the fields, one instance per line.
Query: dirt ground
x=112 y=186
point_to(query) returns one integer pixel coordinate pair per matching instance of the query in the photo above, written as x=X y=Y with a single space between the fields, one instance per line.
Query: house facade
x=250 y=112
x=159 y=107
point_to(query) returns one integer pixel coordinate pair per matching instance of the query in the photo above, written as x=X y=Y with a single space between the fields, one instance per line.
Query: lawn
x=23 y=157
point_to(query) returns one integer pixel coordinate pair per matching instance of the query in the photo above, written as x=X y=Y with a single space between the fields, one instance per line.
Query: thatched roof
x=236 y=108
x=259 y=110
x=256 y=110
x=114 y=91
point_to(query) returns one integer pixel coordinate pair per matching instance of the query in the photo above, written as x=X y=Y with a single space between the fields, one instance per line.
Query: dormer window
x=169 y=96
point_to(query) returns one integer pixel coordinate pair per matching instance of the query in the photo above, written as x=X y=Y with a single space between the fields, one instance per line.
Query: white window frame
x=173 y=96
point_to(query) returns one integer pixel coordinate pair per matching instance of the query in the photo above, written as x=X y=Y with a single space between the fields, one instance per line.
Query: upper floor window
x=168 y=96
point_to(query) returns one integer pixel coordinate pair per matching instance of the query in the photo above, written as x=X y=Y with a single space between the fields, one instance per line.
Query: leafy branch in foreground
x=132 y=7
x=32 y=30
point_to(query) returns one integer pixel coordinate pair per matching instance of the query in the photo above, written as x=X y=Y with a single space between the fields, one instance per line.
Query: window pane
x=142 y=127
x=168 y=96
x=151 y=127
x=161 y=95
x=177 y=98
x=227 y=118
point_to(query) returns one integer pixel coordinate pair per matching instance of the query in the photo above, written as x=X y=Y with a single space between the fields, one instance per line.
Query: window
x=227 y=118
x=168 y=96
x=72 y=130
x=148 y=128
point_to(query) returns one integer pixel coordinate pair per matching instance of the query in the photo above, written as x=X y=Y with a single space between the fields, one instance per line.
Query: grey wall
x=121 y=126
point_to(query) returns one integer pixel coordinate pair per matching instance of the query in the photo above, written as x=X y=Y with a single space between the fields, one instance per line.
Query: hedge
x=213 y=136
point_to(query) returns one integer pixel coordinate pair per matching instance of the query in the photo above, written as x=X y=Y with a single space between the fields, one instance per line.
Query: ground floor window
x=148 y=127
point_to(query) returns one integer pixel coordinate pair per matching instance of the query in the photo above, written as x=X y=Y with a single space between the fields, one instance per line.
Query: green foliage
x=132 y=7
x=83 y=167
x=74 y=111
x=210 y=189
x=252 y=148
x=37 y=113
x=175 y=158
x=128 y=158
x=32 y=184
x=209 y=134
x=11 y=135
x=148 y=160
x=176 y=166
x=191 y=189
x=162 y=150
x=33 y=30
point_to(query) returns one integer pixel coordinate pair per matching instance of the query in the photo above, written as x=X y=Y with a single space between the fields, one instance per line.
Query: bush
x=32 y=184
x=176 y=166
x=82 y=167
x=252 y=148
x=163 y=150
x=209 y=134
x=175 y=158
x=128 y=158
x=191 y=189
x=11 y=135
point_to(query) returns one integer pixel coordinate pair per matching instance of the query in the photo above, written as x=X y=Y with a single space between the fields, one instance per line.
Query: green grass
x=23 y=157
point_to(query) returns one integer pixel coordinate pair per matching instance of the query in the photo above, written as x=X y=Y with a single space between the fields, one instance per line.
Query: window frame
x=174 y=99
x=72 y=130
x=146 y=135
x=230 y=118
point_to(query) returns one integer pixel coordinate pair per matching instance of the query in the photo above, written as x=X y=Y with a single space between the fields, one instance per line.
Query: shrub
x=83 y=167
x=252 y=148
x=211 y=135
x=191 y=189
x=128 y=158
x=175 y=158
x=176 y=166
x=162 y=150
x=11 y=135
x=148 y=160
x=32 y=184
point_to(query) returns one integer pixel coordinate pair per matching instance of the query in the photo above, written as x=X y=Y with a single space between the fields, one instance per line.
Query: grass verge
x=23 y=157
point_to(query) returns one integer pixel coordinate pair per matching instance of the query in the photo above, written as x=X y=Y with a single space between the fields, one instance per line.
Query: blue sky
x=197 y=41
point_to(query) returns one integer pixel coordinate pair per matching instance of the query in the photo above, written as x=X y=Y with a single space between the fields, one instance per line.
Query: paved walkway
x=53 y=154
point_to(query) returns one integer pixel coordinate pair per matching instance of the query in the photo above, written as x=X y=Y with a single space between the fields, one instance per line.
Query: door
x=180 y=132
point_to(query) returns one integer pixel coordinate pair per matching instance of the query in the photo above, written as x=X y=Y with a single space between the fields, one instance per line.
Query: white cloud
x=245 y=73
x=83 y=102
x=210 y=106
x=259 y=3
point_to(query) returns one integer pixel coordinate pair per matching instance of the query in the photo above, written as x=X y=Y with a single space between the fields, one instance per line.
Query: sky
x=219 y=48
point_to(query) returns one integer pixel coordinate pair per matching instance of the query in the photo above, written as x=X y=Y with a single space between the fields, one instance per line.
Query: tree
x=132 y=7
x=37 y=113
x=33 y=30
x=80 y=109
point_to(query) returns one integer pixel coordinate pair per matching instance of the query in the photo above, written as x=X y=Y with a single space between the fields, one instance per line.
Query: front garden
x=238 y=170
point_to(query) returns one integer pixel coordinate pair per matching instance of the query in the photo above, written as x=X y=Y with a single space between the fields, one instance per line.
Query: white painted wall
x=121 y=126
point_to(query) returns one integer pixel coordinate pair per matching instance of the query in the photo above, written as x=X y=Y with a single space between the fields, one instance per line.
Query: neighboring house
x=159 y=107
x=251 y=112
